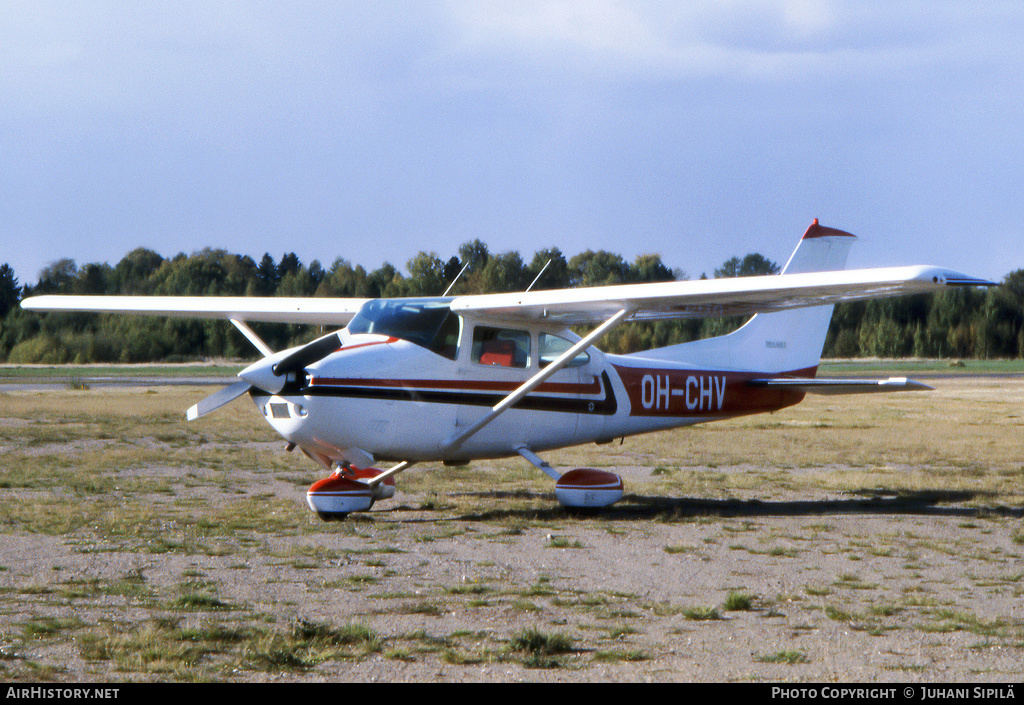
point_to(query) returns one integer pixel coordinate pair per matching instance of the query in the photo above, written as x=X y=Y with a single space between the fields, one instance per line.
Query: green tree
x=10 y=290
x=295 y=284
x=132 y=275
x=316 y=274
x=266 y=276
x=1004 y=309
x=650 y=268
x=475 y=253
x=752 y=265
x=881 y=333
x=551 y=266
x=385 y=281
x=57 y=277
x=93 y=279
x=289 y=264
x=962 y=322
x=452 y=270
x=342 y=281
x=201 y=274
x=239 y=273
x=503 y=273
x=426 y=275
x=601 y=268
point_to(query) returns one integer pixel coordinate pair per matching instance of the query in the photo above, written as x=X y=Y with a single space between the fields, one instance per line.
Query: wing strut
x=252 y=337
x=535 y=381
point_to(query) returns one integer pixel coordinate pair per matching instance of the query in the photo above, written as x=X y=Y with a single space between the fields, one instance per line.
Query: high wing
x=317 y=311
x=590 y=305
x=711 y=297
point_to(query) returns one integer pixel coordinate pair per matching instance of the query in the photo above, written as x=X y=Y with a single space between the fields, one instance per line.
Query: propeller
x=269 y=374
x=218 y=399
x=308 y=354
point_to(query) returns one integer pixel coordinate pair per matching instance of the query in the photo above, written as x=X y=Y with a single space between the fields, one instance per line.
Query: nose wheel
x=347 y=490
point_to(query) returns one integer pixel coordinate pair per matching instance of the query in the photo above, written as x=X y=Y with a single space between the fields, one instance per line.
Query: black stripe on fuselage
x=533 y=402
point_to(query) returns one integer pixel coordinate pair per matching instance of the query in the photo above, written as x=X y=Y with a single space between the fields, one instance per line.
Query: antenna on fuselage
x=464 y=268
x=538 y=275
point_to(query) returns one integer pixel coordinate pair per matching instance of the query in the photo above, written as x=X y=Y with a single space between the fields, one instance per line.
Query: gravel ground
x=828 y=588
x=202 y=563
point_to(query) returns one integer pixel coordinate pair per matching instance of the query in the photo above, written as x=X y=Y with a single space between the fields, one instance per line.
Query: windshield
x=428 y=323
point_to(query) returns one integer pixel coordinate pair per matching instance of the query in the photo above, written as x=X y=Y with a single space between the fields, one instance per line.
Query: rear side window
x=501 y=347
x=549 y=347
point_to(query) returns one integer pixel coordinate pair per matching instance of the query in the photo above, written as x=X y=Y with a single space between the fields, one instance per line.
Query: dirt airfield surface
x=856 y=539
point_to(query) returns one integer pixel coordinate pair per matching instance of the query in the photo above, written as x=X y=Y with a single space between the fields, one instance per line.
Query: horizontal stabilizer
x=842 y=386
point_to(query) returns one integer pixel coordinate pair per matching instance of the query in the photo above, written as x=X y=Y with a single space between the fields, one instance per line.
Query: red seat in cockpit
x=498 y=352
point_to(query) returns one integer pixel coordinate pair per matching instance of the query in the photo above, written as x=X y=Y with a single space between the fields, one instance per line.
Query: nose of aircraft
x=261 y=375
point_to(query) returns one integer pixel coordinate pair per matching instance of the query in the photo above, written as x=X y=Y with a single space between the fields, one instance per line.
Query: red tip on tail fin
x=817 y=230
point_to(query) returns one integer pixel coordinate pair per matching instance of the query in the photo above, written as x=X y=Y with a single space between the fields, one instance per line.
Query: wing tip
x=941 y=276
x=968 y=281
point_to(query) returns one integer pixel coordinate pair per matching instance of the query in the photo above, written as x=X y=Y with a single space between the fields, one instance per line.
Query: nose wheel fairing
x=347 y=490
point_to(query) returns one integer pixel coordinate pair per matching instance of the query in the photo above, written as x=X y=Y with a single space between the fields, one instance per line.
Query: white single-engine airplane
x=454 y=379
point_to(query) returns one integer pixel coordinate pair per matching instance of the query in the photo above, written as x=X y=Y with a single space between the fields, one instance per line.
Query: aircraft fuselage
x=398 y=400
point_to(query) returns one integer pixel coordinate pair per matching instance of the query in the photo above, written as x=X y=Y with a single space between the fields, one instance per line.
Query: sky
x=374 y=130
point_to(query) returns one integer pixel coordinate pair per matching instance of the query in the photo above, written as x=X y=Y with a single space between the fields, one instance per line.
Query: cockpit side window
x=446 y=340
x=428 y=323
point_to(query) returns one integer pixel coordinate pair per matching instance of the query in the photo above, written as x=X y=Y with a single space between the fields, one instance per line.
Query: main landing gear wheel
x=334 y=498
x=587 y=488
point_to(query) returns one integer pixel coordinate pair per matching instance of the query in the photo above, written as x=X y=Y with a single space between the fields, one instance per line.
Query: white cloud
x=771 y=39
x=646 y=39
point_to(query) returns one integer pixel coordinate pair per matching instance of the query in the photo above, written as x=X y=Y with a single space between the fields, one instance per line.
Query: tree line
x=958 y=323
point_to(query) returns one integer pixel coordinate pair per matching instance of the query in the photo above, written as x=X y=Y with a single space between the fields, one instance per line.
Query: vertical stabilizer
x=775 y=342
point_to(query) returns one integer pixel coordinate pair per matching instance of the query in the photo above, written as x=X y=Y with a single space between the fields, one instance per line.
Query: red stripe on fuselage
x=459 y=385
x=366 y=345
x=657 y=391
